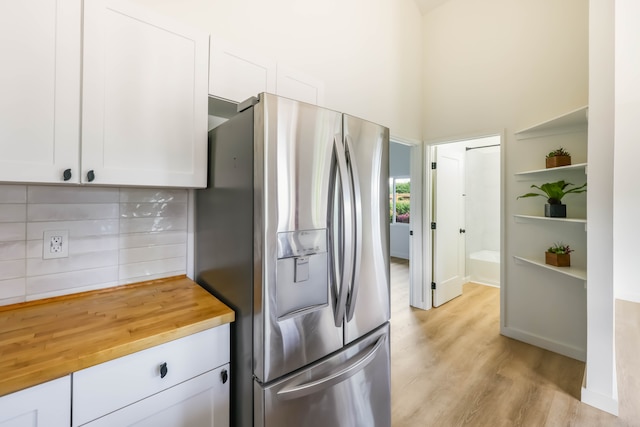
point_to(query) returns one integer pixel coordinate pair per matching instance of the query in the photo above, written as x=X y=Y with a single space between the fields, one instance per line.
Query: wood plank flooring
x=451 y=367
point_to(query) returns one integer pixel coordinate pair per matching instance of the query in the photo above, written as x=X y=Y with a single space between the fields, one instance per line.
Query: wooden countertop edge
x=62 y=366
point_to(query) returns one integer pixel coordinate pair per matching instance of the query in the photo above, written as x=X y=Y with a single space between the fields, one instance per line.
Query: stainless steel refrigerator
x=292 y=233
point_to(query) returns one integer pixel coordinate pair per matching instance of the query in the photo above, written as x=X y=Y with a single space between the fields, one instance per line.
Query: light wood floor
x=451 y=367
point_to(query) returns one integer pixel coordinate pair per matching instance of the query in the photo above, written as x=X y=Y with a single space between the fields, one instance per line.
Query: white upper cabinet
x=144 y=103
x=40 y=87
x=299 y=86
x=237 y=74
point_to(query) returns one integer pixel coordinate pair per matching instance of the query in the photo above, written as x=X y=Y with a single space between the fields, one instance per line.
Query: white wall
x=367 y=52
x=600 y=387
x=626 y=192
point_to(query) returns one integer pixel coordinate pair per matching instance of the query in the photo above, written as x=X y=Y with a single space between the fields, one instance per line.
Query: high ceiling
x=427 y=6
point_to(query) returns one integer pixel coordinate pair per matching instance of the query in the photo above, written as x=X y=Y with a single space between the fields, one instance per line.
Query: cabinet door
x=40 y=87
x=144 y=112
x=238 y=74
x=200 y=402
x=299 y=86
x=44 y=405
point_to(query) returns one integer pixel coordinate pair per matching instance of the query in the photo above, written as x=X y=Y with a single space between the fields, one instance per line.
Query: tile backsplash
x=116 y=236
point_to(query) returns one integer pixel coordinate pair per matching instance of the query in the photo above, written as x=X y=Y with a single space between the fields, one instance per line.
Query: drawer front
x=200 y=402
x=112 y=385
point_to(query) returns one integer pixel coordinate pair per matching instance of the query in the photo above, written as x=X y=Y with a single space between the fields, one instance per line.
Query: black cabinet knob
x=462 y=230
x=224 y=376
x=66 y=175
x=163 y=370
x=91 y=176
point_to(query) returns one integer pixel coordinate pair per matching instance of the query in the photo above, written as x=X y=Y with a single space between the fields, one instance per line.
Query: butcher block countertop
x=47 y=339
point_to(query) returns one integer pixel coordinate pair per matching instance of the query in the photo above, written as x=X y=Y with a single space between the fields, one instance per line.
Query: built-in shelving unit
x=573 y=121
x=576 y=273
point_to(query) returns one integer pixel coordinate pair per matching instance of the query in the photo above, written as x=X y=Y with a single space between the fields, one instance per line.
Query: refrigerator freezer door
x=368 y=149
x=350 y=389
x=294 y=322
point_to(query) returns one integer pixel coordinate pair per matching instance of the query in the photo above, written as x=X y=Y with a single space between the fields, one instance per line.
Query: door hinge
x=433 y=225
x=433 y=285
x=433 y=165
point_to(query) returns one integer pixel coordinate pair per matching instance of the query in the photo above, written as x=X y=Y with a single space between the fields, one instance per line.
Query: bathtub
x=484 y=267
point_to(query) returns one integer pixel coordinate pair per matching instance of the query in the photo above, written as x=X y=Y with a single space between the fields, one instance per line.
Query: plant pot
x=559 y=260
x=557 y=161
x=555 y=211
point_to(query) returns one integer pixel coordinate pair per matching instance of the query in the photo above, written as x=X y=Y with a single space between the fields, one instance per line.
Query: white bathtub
x=484 y=267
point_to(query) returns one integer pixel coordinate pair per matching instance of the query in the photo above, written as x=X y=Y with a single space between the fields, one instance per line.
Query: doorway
x=464 y=210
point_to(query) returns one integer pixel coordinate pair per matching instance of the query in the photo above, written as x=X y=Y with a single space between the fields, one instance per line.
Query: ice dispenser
x=302 y=272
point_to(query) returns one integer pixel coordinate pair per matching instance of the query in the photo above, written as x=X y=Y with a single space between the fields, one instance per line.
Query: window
x=399 y=200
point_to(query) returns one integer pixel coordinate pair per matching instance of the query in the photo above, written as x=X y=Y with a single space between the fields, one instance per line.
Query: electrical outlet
x=55 y=244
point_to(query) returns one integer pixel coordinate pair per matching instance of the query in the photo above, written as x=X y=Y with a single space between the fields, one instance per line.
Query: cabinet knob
x=462 y=230
x=224 y=376
x=163 y=370
x=66 y=175
x=91 y=176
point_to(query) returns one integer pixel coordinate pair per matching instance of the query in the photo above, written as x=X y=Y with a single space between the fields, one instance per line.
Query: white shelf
x=572 y=121
x=577 y=166
x=546 y=218
x=576 y=273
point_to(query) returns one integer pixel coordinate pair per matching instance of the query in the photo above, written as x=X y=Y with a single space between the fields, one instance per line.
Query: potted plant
x=559 y=157
x=554 y=192
x=558 y=255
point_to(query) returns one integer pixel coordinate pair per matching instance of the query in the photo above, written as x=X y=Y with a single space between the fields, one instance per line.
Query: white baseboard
x=626 y=296
x=604 y=403
x=542 y=342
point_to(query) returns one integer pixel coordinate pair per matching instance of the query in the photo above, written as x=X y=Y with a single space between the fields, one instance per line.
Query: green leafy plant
x=555 y=191
x=560 y=248
x=559 y=152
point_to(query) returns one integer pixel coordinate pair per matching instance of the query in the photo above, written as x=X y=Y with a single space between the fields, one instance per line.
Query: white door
x=43 y=405
x=40 y=90
x=145 y=98
x=448 y=215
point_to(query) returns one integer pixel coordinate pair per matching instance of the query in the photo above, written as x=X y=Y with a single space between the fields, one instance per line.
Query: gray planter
x=555 y=211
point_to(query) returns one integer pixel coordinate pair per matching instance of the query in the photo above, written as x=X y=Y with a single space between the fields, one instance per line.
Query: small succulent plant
x=560 y=248
x=559 y=152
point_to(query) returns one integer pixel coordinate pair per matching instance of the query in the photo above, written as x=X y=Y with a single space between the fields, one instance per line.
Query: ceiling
x=427 y=6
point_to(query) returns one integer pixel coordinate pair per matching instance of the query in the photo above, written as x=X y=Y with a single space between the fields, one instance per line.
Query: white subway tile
x=143 y=270
x=151 y=239
x=146 y=210
x=152 y=195
x=12 y=231
x=10 y=301
x=164 y=275
x=77 y=245
x=72 y=212
x=15 y=212
x=12 y=250
x=152 y=253
x=32 y=297
x=13 y=193
x=71 y=279
x=38 y=267
x=13 y=269
x=146 y=225
x=12 y=288
x=71 y=194
x=94 y=227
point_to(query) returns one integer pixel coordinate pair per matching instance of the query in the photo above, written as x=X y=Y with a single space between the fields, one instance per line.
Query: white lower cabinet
x=180 y=383
x=44 y=405
x=198 y=402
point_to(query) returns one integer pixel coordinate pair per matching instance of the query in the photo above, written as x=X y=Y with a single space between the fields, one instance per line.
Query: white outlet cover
x=55 y=244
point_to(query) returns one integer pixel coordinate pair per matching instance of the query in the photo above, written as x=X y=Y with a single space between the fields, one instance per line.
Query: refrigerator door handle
x=347 y=206
x=312 y=387
x=357 y=249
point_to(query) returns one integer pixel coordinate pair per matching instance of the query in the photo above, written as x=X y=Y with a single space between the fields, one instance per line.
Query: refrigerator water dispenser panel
x=301 y=273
